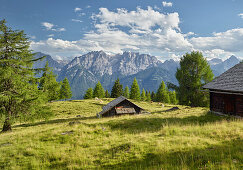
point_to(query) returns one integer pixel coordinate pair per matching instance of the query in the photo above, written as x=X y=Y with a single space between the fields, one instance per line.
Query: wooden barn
x=120 y=106
x=226 y=92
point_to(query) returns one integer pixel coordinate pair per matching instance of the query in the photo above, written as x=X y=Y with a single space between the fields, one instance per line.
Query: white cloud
x=230 y=40
x=77 y=9
x=241 y=15
x=47 y=25
x=51 y=27
x=141 y=30
x=167 y=4
x=145 y=31
x=88 y=6
x=76 y=20
x=140 y=19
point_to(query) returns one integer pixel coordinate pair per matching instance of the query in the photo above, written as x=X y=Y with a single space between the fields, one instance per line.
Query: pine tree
x=135 y=91
x=162 y=94
x=48 y=84
x=148 y=96
x=143 y=96
x=126 y=92
x=107 y=94
x=19 y=94
x=65 y=91
x=117 y=89
x=99 y=91
x=89 y=94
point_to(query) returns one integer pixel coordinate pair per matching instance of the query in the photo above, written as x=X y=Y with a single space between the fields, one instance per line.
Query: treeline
x=162 y=95
x=193 y=73
x=51 y=89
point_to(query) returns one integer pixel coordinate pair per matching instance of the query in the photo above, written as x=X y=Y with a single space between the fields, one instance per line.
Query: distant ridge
x=86 y=70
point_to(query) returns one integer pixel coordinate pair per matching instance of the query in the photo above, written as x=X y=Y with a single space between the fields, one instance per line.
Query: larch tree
x=117 y=89
x=193 y=73
x=19 y=94
x=153 y=96
x=148 y=96
x=143 y=95
x=65 y=90
x=89 y=93
x=107 y=94
x=99 y=91
x=126 y=92
x=172 y=95
x=48 y=84
x=162 y=94
x=135 y=91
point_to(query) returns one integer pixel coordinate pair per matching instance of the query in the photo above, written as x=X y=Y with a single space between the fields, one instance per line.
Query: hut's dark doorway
x=229 y=105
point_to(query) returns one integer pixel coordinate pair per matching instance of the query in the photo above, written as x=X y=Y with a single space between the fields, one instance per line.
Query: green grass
x=189 y=138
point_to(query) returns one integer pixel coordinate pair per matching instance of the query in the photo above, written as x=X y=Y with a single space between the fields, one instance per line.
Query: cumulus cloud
x=230 y=40
x=142 y=30
x=51 y=27
x=167 y=4
x=77 y=9
x=241 y=15
x=145 y=31
x=47 y=25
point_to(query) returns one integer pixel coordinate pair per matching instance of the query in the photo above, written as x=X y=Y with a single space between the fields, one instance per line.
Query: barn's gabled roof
x=231 y=80
x=113 y=103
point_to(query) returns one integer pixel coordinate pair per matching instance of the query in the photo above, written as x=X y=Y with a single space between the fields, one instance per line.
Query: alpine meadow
x=121 y=85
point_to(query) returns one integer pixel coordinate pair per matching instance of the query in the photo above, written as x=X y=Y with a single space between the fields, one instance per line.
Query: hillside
x=189 y=138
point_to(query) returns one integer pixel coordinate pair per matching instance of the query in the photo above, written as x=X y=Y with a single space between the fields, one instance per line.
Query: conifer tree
x=148 y=96
x=19 y=94
x=65 y=90
x=135 y=91
x=117 y=89
x=193 y=73
x=107 y=94
x=89 y=94
x=126 y=92
x=153 y=96
x=48 y=84
x=143 y=96
x=162 y=93
x=173 y=99
x=99 y=91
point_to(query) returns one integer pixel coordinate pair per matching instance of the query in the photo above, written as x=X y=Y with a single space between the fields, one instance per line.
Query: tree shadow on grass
x=227 y=153
x=151 y=124
x=55 y=121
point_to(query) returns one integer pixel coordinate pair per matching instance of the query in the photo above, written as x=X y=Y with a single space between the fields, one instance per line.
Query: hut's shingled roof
x=113 y=103
x=231 y=80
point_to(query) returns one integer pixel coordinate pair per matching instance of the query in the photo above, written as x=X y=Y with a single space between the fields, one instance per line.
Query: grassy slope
x=189 y=138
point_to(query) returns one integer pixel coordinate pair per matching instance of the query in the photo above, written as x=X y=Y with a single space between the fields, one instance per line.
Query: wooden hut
x=120 y=106
x=226 y=92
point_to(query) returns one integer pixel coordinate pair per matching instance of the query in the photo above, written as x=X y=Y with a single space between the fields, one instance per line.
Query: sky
x=166 y=29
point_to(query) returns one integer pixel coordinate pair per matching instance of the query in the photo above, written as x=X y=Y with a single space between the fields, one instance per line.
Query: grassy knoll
x=189 y=138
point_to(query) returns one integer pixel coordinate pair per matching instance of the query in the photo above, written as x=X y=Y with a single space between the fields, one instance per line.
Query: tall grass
x=189 y=138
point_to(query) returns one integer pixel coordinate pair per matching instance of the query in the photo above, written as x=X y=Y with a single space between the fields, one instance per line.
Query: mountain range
x=86 y=70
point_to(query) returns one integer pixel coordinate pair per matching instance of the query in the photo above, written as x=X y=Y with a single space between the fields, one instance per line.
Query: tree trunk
x=7 y=125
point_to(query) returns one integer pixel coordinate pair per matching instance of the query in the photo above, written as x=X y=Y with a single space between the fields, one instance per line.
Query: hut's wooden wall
x=226 y=103
x=239 y=105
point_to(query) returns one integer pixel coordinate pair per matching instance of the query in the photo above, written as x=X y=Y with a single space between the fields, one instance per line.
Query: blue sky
x=166 y=29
